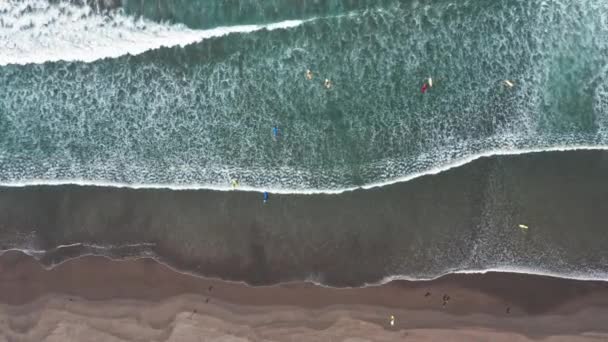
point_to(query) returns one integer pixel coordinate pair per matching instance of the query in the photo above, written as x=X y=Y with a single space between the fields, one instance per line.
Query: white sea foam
x=245 y=188
x=313 y=279
x=506 y=269
x=34 y=31
x=34 y=252
x=70 y=245
x=28 y=251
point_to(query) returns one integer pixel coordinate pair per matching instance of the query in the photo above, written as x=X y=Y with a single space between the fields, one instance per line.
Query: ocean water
x=187 y=94
x=184 y=95
x=461 y=220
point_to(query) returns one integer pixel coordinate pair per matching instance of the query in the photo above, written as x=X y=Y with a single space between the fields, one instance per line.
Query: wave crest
x=36 y=31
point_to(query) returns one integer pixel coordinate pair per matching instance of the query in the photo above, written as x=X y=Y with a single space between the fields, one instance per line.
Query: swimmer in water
x=275 y=132
x=424 y=88
x=327 y=83
x=308 y=74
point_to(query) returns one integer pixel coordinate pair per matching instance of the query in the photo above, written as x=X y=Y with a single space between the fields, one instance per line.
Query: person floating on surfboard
x=235 y=183
x=424 y=88
x=308 y=74
x=265 y=197
x=327 y=83
x=275 y=132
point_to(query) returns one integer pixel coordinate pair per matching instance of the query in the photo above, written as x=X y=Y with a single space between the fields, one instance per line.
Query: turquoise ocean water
x=165 y=98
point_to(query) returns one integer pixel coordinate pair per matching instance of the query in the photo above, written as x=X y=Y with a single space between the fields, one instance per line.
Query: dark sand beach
x=96 y=299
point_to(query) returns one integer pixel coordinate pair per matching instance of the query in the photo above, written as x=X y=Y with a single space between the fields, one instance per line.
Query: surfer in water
x=327 y=83
x=308 y=74
x=235 y=183
x=275 y=132
x=424 y=88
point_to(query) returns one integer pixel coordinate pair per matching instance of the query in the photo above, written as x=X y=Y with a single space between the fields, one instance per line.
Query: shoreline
x=462 y=219
x=88 y=287
x=384 y=281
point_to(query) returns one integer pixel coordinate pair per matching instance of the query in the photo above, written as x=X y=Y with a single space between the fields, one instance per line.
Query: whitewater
x=296 y=191
x=37 y=31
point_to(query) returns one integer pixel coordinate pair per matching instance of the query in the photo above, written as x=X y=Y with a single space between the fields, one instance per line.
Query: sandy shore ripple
x=97 y=299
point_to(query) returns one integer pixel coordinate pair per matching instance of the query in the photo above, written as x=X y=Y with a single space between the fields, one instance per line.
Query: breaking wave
x=36 y=31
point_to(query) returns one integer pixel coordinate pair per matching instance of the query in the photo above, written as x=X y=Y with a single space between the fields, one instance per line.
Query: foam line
x=70 y=245
x=228 y=187
x=385 y=280
x=505 y=269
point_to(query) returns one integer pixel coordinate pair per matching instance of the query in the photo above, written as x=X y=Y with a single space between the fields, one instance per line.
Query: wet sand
x=94 y=298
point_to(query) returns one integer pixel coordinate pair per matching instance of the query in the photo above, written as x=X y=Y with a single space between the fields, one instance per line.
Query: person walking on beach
x=265 y=197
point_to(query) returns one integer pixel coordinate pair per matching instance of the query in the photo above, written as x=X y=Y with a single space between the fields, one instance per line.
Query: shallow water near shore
x=462 y=220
